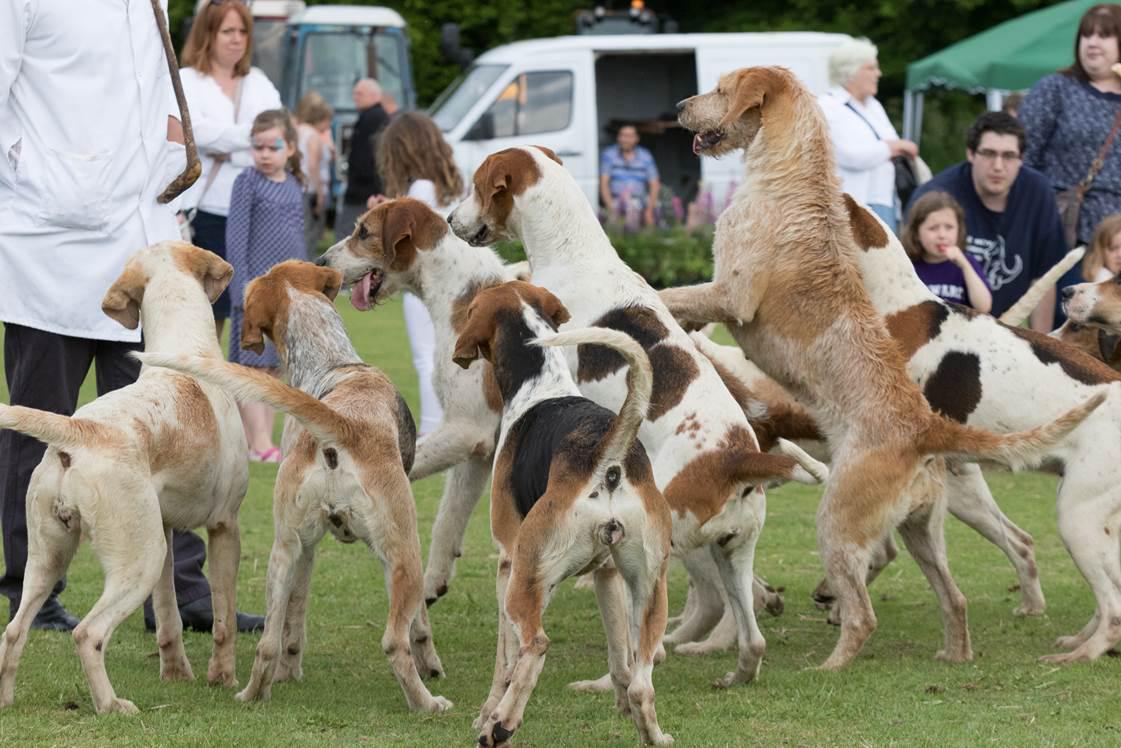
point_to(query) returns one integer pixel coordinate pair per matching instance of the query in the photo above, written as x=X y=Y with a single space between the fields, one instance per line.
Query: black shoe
x=51 y=617
x=198 y=615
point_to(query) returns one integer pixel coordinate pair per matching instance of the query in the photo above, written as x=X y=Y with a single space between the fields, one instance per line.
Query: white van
x=572 y=93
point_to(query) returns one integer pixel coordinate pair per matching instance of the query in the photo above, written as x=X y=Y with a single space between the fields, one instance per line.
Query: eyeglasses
x=1008 y=157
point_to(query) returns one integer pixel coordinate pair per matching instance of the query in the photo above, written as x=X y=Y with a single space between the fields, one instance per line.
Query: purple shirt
x=946 y=280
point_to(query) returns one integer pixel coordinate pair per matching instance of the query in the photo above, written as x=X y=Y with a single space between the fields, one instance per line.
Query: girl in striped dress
x=265 y=226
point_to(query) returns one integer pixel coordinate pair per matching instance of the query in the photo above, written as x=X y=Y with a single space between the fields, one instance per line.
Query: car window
x=532 y=103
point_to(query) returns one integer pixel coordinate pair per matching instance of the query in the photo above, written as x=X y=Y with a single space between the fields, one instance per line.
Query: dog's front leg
x=696 y=306
x=174 y=664
x=224 y=549
x=736 y=571
x=450 y=444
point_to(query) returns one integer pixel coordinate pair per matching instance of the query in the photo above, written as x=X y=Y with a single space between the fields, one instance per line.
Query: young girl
x=1103 y=261
x=265 y=226
x=933 y=238
x=316 y=153
x=414 y=160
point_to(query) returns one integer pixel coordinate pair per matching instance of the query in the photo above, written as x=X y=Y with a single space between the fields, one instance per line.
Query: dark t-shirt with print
x=1014 y=247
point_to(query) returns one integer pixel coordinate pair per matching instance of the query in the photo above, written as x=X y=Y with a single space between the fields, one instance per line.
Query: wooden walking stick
x=194 y=168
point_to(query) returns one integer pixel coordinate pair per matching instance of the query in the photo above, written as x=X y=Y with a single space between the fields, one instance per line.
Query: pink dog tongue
x=697 y=144
x=360 y=294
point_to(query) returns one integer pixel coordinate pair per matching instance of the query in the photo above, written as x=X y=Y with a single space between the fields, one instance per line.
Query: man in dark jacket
x=362 y=181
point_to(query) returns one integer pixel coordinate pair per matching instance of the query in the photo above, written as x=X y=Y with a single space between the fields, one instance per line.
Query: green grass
x=895 y=694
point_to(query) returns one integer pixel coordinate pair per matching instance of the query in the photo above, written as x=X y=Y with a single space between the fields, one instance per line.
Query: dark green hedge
x=664 y=257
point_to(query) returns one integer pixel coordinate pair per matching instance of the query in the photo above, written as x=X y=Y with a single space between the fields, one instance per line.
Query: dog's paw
x=1068 y=642
x=943 y=656
x=436 y=705
x=495 y=735
x=252 y=693
x=177 y=671
x=1026 y=610
x=121 y=706
x=1063 y=659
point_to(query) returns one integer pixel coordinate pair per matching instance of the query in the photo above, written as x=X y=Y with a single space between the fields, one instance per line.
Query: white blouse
x=218 y=131
x=863 y=158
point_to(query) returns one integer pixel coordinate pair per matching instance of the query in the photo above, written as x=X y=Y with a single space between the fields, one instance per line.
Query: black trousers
x=45 y=370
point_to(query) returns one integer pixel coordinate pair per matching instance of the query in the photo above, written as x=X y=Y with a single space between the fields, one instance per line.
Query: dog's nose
x=321 y=261
x=1068 y=292
x=449 y=219
x=681 y=105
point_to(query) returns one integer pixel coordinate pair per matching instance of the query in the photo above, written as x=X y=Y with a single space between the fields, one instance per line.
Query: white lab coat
x=863 y=161
x=84 y=99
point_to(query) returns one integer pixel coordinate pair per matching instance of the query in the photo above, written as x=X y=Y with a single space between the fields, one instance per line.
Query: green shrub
x=664 y=257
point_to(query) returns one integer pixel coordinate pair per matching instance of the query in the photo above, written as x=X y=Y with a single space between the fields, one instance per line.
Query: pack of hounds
x=614 y=438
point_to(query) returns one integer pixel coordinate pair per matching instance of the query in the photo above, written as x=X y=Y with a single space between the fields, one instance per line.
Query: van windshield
x=452 y=105
x=334 y=61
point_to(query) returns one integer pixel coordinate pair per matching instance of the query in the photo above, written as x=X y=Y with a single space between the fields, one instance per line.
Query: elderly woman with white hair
x=864 y=140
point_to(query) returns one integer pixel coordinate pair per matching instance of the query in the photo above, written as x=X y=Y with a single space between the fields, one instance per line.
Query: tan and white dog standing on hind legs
x=347 y=445
x=787 y=284
x=705 y=456
x=573 y=492
x=405 y=245
x=162 y=453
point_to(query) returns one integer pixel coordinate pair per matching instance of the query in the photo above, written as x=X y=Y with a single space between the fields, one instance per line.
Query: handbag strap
x=856 y=111
x=1099 y=160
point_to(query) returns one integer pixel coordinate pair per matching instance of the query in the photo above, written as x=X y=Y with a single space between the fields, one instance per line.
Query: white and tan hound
x=163 y=453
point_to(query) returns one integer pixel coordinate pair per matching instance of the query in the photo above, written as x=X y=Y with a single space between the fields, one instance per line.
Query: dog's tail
x=1022 y=309
x=246 y=383
x=1018 y=450
x=63 y=432
x=640 y=383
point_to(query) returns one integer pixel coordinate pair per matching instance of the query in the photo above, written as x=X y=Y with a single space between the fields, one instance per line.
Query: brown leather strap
x=1099 y=160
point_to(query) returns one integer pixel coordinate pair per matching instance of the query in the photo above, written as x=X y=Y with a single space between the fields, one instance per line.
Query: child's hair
x=929 y=203
x=1103 y=237
x=412 y=147
x=280 y=118
x=312 y=109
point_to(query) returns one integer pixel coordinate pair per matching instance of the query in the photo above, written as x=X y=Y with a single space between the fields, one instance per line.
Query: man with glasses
x=1012 y=224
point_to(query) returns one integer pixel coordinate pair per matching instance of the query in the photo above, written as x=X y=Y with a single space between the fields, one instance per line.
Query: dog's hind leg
x=131 y=555
x=735 y=561
x=969 y=499
x=923 y=534
x=224 y=550
x=51 y=547
x=612 y=599
x=462 y=489
x=290 y=666
x=1090 y=528
x=423 y=648
x=285 y=560
x=174 y=664
x=709 y=593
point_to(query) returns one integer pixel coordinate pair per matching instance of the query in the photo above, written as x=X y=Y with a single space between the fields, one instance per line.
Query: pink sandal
x=272 y=455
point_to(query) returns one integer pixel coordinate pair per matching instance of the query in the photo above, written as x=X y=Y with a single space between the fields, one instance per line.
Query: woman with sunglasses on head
x=1073 y=117
x=224 y=94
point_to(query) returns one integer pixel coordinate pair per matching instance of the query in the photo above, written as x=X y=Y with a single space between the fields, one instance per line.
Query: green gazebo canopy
x=1008 y=57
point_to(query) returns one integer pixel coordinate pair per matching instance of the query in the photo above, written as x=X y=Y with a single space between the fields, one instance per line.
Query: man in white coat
x=87 y=120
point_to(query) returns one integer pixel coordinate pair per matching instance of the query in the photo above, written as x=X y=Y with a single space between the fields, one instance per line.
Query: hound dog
x=405 y=245
x=787 y=284
x=706 y=459
x=347 y=447
x=162 y=453
x=979 y=372
x=774 y=413
x=572 y=489
x=1095 y=304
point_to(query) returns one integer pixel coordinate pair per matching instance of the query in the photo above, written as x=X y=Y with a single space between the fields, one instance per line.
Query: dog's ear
x=475 y=339
x=549 y=152
x=1110 y=347
x=330 y=281
x=122 y=300
x=397 y=231
x=551 y=306
x=256 y=322
x=212 y=271
x=749 y=90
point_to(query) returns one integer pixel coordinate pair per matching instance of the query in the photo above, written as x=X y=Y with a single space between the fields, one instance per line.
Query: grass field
x=894 y=695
